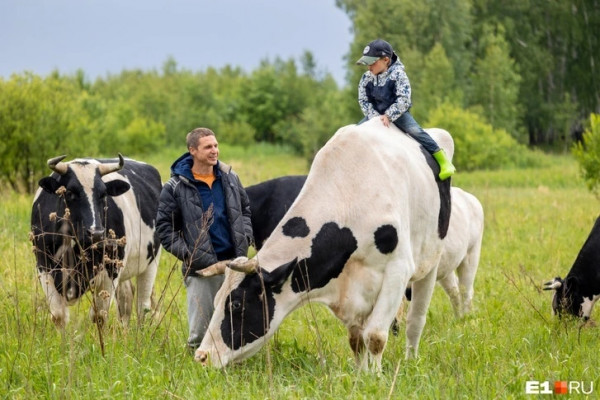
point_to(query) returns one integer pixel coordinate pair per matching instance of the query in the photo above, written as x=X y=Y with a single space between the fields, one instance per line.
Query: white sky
x=107 y=36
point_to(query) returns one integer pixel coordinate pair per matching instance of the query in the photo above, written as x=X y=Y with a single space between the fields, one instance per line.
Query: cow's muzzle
x=96 y=234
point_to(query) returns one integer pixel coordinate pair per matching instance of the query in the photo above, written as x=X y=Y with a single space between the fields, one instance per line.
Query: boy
x=384 y=92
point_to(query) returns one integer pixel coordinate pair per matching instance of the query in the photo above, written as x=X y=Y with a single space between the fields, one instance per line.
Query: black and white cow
x=579 y=291
x=93 y=226
x=370 y=218
x=270 y=200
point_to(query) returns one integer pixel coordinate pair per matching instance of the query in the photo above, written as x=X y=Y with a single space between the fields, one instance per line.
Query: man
x=203 y=217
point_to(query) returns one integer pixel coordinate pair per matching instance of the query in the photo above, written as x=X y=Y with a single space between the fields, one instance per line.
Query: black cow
x=93 y=226
x=579 y=291
x=269 y=201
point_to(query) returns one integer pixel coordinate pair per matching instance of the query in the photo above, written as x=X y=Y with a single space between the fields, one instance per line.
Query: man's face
x=207 y=151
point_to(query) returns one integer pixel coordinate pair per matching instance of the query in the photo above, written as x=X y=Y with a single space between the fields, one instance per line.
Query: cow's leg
x=124 y=295
x=466 y=277
x=56 y=302
x=357 y=345
x=422 y=291
x=450 y=285
x=389 y=299
x=145 y=284
x=103 y=293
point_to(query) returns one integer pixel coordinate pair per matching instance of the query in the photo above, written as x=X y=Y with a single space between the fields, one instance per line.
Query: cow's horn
x=552 y=285
x=57 y=166
x=108 y=168
x=215 y=269
x=244 y=265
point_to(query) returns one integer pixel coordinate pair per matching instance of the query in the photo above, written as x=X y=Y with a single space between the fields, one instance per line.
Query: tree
x=39 y=119
x=587 y=153
x=437 y=84
x=495 y=83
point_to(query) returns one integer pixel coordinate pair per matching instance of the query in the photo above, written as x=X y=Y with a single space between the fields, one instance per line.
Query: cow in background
x=579 y=291
x=462 y=249
x=269 y=201
x=370 y=218
x=93 y=226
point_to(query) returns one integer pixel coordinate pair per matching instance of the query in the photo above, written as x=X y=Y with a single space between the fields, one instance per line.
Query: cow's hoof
x=59 y=321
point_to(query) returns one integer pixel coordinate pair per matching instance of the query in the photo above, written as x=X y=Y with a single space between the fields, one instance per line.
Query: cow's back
x=269 y=201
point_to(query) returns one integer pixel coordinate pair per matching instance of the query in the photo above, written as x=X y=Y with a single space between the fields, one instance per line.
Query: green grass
x=536 y=222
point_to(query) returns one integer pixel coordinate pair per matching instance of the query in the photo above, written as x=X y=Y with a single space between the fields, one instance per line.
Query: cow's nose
x=96 y=234
x=201 y=357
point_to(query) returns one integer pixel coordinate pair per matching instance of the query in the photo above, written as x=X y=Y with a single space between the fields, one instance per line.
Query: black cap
x=375 y=50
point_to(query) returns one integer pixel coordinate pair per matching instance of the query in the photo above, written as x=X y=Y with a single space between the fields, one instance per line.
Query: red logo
x=561 y=387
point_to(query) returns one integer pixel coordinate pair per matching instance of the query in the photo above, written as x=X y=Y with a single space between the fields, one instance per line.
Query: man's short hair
x=193 y=138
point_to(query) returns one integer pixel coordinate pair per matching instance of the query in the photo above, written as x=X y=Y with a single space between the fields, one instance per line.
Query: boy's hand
x=385 y=120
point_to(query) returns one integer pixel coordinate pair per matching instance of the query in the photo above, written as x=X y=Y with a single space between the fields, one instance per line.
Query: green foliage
x=237 y=133
x=495 y=85
x=587 y=153
x=477 y=144
x=437 y=84
x=309 y=131
x=37 y=116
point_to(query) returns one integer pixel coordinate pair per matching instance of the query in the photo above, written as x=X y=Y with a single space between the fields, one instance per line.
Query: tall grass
x=536 y=222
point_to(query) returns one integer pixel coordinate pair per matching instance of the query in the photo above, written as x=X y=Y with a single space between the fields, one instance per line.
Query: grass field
x=536 y=222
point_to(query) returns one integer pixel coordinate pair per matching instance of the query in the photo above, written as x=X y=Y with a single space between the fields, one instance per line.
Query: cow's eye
x=69 y=195
x=236 y=305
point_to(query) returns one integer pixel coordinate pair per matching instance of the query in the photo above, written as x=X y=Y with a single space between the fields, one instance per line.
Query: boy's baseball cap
x=374 y=51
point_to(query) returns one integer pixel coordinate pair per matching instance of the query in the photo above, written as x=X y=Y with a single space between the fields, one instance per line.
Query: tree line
x=502 y=77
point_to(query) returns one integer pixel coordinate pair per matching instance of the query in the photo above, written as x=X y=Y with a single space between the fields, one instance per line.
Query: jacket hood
x=183 y=167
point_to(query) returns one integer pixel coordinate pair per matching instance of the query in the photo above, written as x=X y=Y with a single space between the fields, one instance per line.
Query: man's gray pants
x=200 y=293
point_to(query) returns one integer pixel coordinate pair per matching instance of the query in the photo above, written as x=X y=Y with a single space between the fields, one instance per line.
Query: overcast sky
x=107 y=36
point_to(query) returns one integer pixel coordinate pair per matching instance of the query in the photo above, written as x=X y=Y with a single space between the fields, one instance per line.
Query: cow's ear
x=49 y=184
x=275 y=278
x=571 y=283
x=117 y=187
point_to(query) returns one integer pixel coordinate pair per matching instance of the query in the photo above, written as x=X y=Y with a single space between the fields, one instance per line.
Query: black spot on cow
x=249 y=308
x=386 y=239
x=153 y=247
x=444 y=192
x=331 y=248
x=296 y=227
